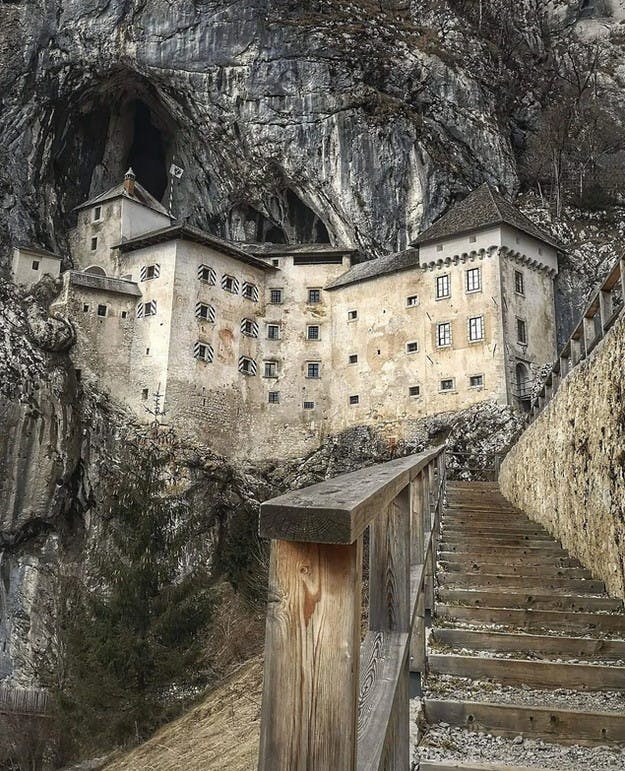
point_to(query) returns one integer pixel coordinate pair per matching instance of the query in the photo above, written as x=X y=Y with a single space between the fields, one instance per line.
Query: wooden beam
x=521 y=569
x=536 y=619
x=340 y=509
x=487 y=598
x=311 y=682
x=539 y=583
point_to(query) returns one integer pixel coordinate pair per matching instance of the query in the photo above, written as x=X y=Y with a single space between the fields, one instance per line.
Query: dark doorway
x=147 y=152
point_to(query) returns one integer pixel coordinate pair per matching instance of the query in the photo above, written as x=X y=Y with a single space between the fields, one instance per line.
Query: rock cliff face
x=293 y=121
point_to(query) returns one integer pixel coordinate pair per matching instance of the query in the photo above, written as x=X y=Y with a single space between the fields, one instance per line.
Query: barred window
x=414 y=390
x=247 y=366
x=206 y=274
x=443 y=286
x=412 y=347
x=476 y=381
x=474 y=280
x=230 y=284
x=275 y=296
x=447 y=384
x=249 y=328
x=313 y=369
x=205 y=312
x=250 y=291
x=521 y=331
x=314 y=296
x=476 y=328
x=203 y=352
x=273 y=397
x=309 y=405
x=273 y=332
x=312 y=332
x=148 y=272
x=271 y=369
x=519 y=282
x=443 y=334
x=102 y=310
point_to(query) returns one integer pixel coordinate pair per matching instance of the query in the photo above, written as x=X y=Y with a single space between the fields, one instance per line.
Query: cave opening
x=147 y=153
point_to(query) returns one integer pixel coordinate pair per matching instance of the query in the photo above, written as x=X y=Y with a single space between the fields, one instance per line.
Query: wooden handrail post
x=606 y=308
x=622 y=269
x=313 y=627
x=590 y=332
x=417 y=539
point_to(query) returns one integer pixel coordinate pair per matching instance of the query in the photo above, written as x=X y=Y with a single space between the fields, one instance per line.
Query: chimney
x=129 y=182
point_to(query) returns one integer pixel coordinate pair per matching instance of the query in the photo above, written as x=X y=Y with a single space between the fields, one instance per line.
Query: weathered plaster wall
x=24 y=261
x=567 y=471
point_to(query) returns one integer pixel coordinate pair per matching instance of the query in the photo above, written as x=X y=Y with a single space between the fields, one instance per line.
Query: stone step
x=523 y=618
x=511 y=599
x=551 y=645
x=541 y=582
x=538 y=558
x=547 y=723
x=476 y=567
x=536 y=674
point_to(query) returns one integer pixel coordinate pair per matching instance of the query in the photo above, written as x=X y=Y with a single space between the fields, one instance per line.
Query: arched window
x=95 y=270
x=522 y=381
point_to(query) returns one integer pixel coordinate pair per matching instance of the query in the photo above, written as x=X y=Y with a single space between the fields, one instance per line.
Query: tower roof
x=139 y=195
x=482 y=208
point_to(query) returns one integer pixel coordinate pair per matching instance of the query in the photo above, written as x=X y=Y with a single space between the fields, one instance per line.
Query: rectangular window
x=206 y=274
x=519 y=282
x=97 y=213
x=101 y=310
x=312 y=332
x=309 y=405
x=273 y=332
x=247 y=366
x=314 y=296
x=85 y=308
x=354 y=399
x=150 y=308
x=443 y=287
x=443 y=334
x=230 y=284
x=94 y=243
x=250 y=291
x=353 y=358
x=476 y=328
x=271 y=369
x=412 y=301
x=474 y=280
x=352 y=315
x=203 y=351
x=414 y=390
x=447 y=384
x=205 y=312
x=275 y=262
x=412 y=347
x=148 y=272
x=273 y=397
x=275 y=296
x=313 y=369
x=476 y=381
x=521 y=331
x=35 y=265
x=249 y=328
x=144 y=394
x=147 y=351
x=124 y=314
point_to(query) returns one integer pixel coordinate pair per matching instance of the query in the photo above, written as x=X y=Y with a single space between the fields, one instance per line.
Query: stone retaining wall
x=567 y=470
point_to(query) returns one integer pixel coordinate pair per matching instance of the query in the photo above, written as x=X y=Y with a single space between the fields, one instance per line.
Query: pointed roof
x=139 y=195
x=482 y=208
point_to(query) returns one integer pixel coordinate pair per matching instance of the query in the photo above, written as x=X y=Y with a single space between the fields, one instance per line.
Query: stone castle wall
x=567 y=471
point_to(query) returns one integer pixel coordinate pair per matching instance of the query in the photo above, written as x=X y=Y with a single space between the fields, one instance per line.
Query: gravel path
x=443 y=742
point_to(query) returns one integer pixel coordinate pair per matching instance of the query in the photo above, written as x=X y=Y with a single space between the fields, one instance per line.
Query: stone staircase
x=526 y=656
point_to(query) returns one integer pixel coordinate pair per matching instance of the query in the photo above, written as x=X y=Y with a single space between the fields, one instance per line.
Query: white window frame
x=313 y=326
x=417 y=395
x=470 y=272
x=210 y=312
x=270 y=368
x=310 y=364
x=206 y=355
x=275 y=394
x=277 y=328
x=352 y=315
x=412 y=301
x=415 y=349
x=517 y=274
x=451 y=380
x=438 y=334
x=313 y=289
x=280 y=292
x=97 y=214
x=444 y=277
x=477 y=386
x=478 y=326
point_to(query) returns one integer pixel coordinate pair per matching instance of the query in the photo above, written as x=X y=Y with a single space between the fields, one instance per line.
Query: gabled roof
x=482 y=208
x=140 y=195
x=380 y=266
x=181 y=232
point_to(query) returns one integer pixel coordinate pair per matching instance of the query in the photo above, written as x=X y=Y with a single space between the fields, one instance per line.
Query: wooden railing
x=330 y=701
x=598 y=318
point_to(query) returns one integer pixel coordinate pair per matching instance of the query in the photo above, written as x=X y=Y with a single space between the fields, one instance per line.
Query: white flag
x=176 y=171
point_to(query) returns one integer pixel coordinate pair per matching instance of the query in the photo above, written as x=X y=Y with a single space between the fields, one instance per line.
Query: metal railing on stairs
x=331 y=701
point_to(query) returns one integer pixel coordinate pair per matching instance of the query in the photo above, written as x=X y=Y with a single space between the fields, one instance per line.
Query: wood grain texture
x=575 y=647
x=311 y=685
x=417 y=531
x=538 y=583
x=521 y=569
x=340 y=509
x=441 y=765
x=565 y=726
x=382 y=668
x=538 y=674
x=537 y=558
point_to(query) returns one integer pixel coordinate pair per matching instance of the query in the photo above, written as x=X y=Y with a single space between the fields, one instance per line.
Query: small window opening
x=97 y=213
x=447 y=384
x=314 y=296
x=102 y=310
x=275 y=296
x=476 y=381
x=273 y=397
x=443 y=287
x=85 y=308
x=353 y=358
x=78 y=375
x=273 y=332
x=309 y=405
x=124 y=314
x=147 y=351
x=94 y=243
x=312 y=332
x=412 y=347
x=35 y=264
x=313 y=370
x=354 y=399
x=519 y=282
x=412 y=301
x=352 y=315
x=414 y=390
x=521 y=331
x=145 y=394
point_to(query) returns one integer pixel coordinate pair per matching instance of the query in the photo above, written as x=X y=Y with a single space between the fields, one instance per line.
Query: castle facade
x=260 y=350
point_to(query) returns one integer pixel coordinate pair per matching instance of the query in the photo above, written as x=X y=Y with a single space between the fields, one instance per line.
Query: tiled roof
x=481 y=208
x=140 y=195
x=278 y=250
x=188 y=233
x=380 y=266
